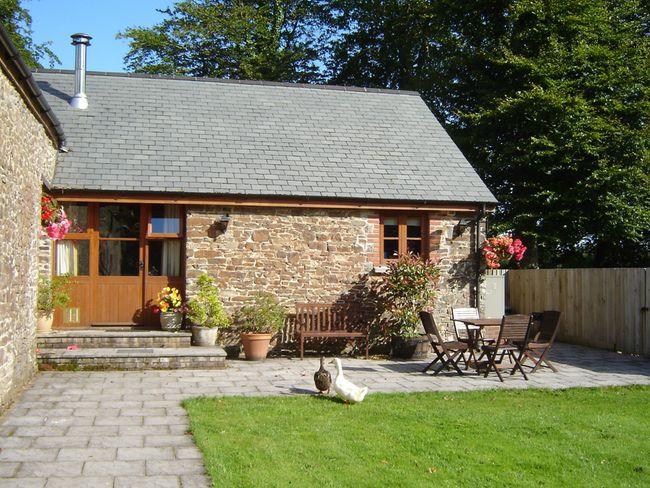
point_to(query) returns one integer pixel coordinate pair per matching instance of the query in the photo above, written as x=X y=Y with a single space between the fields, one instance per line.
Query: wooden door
x=119 y=257
x=118 y=288
x=164 y=250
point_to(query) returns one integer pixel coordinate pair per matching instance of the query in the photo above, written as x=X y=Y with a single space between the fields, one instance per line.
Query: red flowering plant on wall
x=499 y=251
x=54 y=222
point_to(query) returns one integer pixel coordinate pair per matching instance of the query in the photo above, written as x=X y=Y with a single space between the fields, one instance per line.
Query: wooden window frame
x=153 y=235
x=402 y=238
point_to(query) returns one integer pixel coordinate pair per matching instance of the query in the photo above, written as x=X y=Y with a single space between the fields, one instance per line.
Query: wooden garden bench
x=329 y=321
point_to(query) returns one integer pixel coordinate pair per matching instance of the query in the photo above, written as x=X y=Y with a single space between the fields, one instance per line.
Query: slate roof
x=219 y=137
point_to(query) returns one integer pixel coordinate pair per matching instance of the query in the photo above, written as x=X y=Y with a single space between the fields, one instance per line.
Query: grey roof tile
x=173 y=134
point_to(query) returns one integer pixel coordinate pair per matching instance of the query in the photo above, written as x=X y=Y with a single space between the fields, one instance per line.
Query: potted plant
x=206 y=313
x=51 y=294
x=171 y=307
x=409 y=286
x=258 y=322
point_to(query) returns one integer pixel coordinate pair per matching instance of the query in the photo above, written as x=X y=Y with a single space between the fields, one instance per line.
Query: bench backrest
x=327 y=317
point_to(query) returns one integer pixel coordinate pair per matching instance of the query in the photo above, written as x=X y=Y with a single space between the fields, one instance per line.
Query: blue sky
x=55 y=20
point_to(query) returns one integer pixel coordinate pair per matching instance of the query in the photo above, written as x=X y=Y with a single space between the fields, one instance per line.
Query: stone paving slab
x=127 y=428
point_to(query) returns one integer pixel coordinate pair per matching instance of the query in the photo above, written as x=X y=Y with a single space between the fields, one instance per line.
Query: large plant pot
x=171 y=321
x=256 y=346
x=204 y=336
x=44 y=324
x=409 y=348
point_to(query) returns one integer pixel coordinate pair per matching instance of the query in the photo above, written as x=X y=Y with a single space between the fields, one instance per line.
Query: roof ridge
x=313 y=86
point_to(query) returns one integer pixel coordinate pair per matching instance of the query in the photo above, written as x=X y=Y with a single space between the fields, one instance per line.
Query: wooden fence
x=603 y=307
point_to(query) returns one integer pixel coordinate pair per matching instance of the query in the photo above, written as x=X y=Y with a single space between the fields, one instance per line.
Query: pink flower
x=72 y=347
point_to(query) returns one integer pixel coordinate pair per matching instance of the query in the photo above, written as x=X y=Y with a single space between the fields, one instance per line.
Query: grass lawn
x=577 y=437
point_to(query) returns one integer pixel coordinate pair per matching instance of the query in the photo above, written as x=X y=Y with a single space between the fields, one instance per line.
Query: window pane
x=118 y=258
x=391 y=229
x=78 y=215
x=413 y=227
x=119 y=220
x=414 y=246
x=72 y=257
x=390 y=249
x=165 y=258
x=165 y=219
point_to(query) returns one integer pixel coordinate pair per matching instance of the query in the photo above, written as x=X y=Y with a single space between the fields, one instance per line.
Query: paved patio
x=127 y=429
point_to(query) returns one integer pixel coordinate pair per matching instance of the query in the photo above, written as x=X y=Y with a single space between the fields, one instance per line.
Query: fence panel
x=601 y=307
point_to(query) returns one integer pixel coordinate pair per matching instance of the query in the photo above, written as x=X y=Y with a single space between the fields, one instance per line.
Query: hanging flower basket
x=54 y=222
x=499 y=251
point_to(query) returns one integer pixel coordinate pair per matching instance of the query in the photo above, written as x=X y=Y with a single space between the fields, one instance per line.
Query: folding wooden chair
x=448 y=353
x=542 y=340
x=511 y=341
x=461 y=328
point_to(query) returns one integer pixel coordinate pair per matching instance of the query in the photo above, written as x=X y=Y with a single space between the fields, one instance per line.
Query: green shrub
x=409 y=287
x=263 y=316
x=51 y=294
x=206 y=309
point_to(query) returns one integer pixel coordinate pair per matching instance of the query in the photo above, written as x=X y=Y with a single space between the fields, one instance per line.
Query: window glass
x=119 y=220
x=72 y=257
x=165 y=258
x=78 y=215
x=391 y=227
x=119 y=258
x=413 y=227
x=414 y=246
x=390 y=249
x=165 y=219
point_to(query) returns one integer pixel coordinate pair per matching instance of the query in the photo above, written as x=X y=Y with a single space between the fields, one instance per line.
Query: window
x=165 y=220
x=78 y=215
x=72 y=257
x=165 y=257
x=401 y=234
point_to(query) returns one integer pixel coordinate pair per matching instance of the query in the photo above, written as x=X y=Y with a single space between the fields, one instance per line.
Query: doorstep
x=113 y=338
x=134 y=358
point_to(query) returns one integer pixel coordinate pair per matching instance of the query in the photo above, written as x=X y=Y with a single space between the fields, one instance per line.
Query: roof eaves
x=24 y=76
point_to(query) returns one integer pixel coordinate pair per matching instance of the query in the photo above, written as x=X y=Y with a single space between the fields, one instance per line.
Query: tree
x=547 y=98
x=238 y=39
x=18 y=24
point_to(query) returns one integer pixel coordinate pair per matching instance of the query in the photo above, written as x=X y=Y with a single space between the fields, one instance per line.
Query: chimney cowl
x=80 y=42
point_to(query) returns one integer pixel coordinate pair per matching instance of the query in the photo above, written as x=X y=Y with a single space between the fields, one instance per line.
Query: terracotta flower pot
x=44 y=324
x=256 y=346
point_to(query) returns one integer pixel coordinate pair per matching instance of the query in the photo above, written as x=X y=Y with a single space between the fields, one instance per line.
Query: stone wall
x=314 y=255
x=27 y=155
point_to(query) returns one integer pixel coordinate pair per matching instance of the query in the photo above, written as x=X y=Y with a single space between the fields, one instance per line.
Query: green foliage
x=575 y=437
x=547 y=98
x=238 y=39
x=263 y=315
x=409 y=286
x=51 y=294
x=18 y=23
x=205 y=308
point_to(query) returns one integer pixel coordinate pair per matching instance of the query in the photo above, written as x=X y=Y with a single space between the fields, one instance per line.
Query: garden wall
x=27 y=156
x=314 y=255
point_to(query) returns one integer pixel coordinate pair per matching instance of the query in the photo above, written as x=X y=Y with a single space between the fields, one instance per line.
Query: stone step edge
x=110 y=334
x=133 y=352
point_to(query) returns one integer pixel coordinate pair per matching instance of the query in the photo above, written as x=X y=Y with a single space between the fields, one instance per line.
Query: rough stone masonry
x=314 y=255
x=27 y=155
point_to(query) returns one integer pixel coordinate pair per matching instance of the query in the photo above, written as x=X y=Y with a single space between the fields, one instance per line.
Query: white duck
x=346 y=390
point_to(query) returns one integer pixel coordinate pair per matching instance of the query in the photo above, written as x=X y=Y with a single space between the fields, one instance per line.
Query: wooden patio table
x=473 y=337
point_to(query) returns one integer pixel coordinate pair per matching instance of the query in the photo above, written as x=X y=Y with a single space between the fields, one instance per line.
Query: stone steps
x=136 y=358
x=113 y=338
